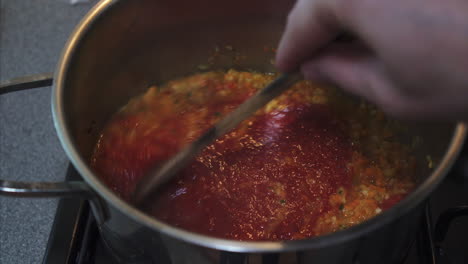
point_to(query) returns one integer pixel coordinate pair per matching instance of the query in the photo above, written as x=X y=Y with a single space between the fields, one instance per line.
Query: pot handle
x=56 y=189
x=47 y=189
x=26 y=82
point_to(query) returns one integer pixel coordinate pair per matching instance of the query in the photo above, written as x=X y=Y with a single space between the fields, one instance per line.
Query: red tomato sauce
x=273 y=188
x=284 y=174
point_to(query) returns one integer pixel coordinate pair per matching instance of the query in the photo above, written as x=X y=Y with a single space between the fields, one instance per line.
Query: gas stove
x=442 y=238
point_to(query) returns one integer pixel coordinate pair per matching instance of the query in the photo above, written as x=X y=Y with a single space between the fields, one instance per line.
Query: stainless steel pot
x=119 y=49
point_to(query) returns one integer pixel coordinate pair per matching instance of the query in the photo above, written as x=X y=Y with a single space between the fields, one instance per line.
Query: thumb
x=310 y=26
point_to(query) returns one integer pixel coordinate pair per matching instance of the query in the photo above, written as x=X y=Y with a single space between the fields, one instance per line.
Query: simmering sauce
x=305 y=165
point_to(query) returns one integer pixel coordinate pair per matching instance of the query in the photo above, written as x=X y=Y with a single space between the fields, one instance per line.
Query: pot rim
x=411 y=201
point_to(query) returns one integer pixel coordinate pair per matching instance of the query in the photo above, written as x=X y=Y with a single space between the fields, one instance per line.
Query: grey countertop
x=32 y=34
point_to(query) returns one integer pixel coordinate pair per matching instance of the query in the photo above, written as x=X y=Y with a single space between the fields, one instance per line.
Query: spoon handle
x=162 y=174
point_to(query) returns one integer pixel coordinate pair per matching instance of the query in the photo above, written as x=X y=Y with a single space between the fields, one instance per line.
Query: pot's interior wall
x=139 y=43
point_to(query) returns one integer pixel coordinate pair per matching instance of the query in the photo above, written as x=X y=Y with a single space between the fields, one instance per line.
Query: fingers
x=358 y=72
x=310 y=26
x=346 y=66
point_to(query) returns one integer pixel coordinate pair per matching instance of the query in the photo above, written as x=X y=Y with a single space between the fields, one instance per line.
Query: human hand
x=414 y=63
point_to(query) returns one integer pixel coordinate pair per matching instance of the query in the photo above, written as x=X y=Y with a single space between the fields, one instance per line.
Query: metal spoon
x=160 y=175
